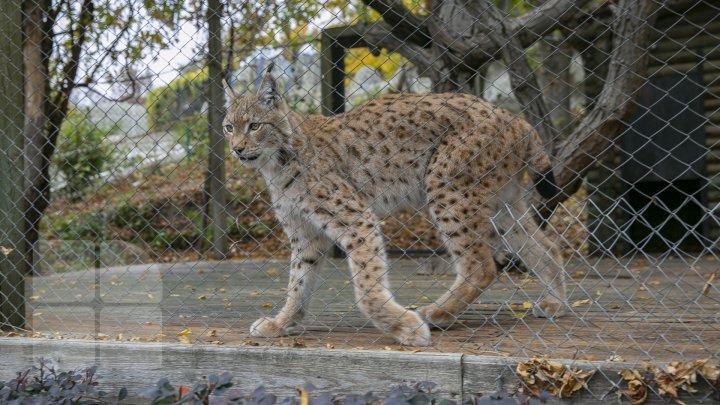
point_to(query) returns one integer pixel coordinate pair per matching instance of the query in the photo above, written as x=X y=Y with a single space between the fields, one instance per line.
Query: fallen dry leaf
x=708 y=284
x=710 y=370
x=213 y=333
x=581 y=303
x=615 y=358
x=298 y=342
x=184 y=339
x=6 y=250
x=185 y=332
x=267 y=305
x=637 y=390
x=540 y=375
x=304 y=396
x=678 y=376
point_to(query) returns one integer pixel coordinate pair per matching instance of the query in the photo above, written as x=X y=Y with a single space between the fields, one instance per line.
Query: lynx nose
x=238 y=150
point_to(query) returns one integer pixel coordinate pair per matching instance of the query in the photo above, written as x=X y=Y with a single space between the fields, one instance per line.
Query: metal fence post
x=12 y=280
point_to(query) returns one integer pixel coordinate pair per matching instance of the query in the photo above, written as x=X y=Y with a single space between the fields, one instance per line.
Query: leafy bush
x=183 y=97
x=81 y=227
x=192 y=133
x=47 y=385
x=83 y=152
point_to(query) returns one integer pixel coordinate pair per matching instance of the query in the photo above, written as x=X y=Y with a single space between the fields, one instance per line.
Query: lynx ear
x=267 y=92
x=230 y=94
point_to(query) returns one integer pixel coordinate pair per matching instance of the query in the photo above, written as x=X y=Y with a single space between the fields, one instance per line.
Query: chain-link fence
x=149 y=203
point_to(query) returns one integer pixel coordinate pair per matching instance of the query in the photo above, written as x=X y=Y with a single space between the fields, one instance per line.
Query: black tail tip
x=545 y=184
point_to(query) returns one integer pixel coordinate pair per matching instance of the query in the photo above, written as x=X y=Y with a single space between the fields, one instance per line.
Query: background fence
x=125 y=216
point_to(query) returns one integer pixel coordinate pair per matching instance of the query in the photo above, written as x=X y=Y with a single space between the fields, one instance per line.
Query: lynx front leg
x=348 y=221
x=309 y=247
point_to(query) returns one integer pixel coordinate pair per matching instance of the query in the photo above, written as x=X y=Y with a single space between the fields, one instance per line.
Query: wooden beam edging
x=138 y=366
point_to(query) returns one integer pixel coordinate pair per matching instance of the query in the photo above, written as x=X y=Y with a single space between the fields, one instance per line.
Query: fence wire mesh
x=368 y=159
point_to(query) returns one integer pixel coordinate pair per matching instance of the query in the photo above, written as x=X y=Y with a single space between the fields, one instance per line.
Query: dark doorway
x=666 y=215
x=663 y=167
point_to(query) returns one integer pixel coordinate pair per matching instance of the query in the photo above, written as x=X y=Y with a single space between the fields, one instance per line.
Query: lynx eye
x=229 y=128
x=254 y=126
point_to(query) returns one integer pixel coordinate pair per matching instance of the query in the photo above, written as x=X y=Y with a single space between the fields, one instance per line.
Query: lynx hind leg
x=464 y=225
x=524 y=238
x=308 y=250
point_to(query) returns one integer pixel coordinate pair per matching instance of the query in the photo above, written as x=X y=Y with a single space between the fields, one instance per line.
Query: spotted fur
x=332 y=178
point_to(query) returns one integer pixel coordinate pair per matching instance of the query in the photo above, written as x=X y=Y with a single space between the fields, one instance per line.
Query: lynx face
x=257 y=127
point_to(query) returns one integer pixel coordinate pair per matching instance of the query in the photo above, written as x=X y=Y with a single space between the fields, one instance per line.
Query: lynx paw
x=411 y=330
x=548 y=308
x=436 y=316
x=267 y=327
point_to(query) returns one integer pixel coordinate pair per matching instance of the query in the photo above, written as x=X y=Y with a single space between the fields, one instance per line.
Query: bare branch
x=69 y=71
x=402 y=21
x=527 y=29
x=382 y=36
x=478 y=48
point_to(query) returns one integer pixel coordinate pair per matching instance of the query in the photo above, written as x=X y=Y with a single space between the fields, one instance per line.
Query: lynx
x=332 y=178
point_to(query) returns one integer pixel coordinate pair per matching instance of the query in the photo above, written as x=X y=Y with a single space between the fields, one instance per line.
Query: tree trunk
x=216 y=158
x=12 y=266
x=450 y=74
x=45 y=112
x=555 y=81
x=37 y=89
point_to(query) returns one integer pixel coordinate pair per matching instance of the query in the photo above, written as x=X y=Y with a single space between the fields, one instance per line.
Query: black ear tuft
x=229 y=91
x=267 y=92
